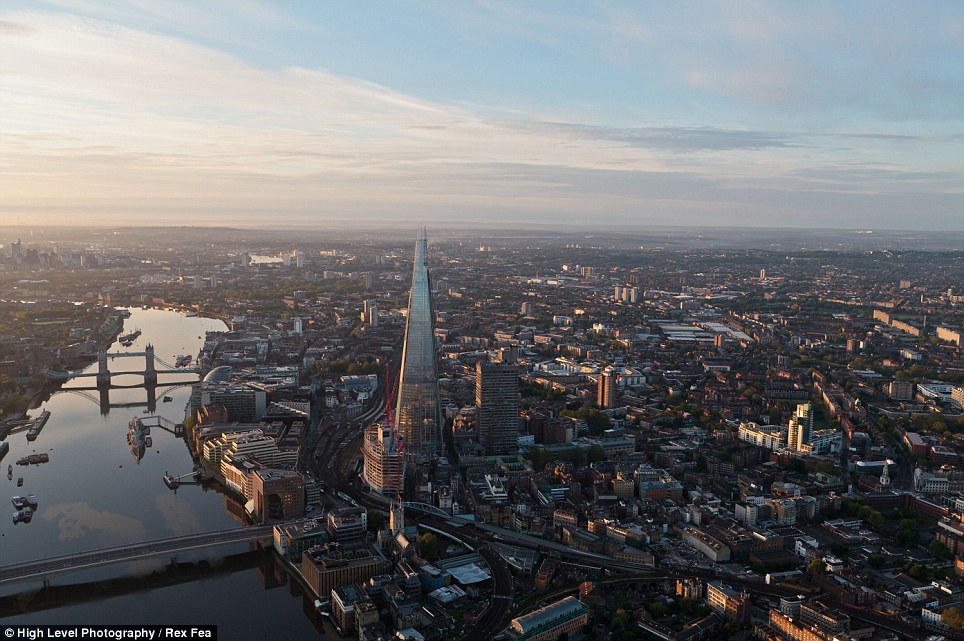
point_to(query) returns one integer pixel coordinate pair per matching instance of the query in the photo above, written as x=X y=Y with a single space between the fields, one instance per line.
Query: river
x=93 y=494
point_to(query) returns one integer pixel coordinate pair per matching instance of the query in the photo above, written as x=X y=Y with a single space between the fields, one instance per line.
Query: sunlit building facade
x=383 y=454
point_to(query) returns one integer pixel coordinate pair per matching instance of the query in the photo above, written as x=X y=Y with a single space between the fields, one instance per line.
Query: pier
x=174 y=482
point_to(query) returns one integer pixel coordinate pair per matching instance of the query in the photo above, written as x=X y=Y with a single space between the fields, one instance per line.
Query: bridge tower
x=151 y=397
x=104 y=401
x=103 y=374
x=150 y=372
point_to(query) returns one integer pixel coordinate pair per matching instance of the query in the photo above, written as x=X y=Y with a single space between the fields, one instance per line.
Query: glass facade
x=418 y=413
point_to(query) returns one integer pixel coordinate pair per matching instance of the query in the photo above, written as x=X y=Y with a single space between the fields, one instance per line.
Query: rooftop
x=549 y=615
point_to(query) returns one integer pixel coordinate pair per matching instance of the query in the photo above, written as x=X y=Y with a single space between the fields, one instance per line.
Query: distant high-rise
x=418 y=415
x=801 y=427
x=370 y=313
x=497 y=397
x=606 y=390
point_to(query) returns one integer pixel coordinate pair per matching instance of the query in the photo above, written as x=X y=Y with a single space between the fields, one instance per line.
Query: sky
x=239 y=112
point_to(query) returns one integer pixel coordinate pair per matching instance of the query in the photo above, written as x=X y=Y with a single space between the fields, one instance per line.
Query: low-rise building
x=550 y=622
x=328 y=567
x=729 y=603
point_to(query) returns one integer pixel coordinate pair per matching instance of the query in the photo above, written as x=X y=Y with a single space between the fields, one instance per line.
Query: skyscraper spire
x=418 y=413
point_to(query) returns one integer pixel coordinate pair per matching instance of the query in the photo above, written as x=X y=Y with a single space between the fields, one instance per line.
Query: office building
x=243 y=403
x=330 y=566
x=383 y=455
x=901 y=390
x=346 y=601
x=347 y=524
x=291 y=540
x=497 y=399
x=801 y=427
x=279 y=495
x=418 y=414
x=731 y=604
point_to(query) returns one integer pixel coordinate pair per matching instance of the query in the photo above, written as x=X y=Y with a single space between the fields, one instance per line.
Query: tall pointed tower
x=396 y=516
x=885 y=475
x=418 y=414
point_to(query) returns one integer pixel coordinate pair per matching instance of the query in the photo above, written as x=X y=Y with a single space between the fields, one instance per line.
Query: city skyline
x=744 y=115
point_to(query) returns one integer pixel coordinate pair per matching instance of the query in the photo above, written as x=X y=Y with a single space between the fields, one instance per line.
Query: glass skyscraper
x=418 y=413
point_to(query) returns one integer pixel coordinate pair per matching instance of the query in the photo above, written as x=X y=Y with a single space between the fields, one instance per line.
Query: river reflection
x=94 y=493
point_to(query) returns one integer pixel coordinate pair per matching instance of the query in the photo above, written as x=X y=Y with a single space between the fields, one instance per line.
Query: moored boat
x=34 y=431
x=136 y=437
x=23 y=516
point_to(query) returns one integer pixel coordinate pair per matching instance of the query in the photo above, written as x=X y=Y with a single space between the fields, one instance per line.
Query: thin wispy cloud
x=733 y=111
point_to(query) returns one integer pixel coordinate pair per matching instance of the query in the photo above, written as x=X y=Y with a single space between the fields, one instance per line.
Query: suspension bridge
x=103 y=373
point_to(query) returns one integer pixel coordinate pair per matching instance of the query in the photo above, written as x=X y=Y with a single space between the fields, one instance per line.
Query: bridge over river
x=103 y=373
x=51 y=566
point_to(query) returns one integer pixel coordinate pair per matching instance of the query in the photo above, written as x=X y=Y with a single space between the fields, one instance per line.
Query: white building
x=927 y=483
x=771 y=437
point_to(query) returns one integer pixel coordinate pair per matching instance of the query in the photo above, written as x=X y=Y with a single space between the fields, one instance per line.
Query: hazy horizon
x=497 y=235
x=255 y=114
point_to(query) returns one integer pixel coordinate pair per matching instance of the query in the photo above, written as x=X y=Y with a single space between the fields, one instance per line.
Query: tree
x=918 y=572
x=14 y=404
x=907 y=533
x=596 y=454
x=939 y=551
x=620 y=620
x=376 y=520
x=952 y=618
x=540 y=456
x=876 y=561
x=825 y=467
x=906 y=538
x=428 y=546
x=37 y=381
x=816 y=566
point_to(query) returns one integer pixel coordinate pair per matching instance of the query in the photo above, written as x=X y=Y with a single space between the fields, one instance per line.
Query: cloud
x=680 y=139
x=78 y=520
x=10 y=28
x=179 y=517
x=134 y=112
